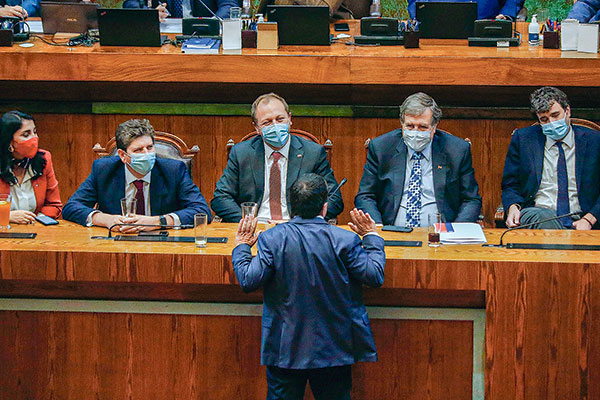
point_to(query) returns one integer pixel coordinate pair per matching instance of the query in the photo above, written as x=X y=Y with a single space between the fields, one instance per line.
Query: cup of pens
x=411 y=34
x=248 y=34
x=551 y=34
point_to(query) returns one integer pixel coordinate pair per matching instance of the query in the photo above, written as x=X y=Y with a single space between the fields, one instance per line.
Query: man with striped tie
x=418 y=171
x=264 y=168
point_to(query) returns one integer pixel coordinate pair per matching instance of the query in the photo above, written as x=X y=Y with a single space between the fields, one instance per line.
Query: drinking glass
x=249 y=209
x=235 y=12
x=5 y=200
x=433 y=237
x=200 y=228
x=128 y=207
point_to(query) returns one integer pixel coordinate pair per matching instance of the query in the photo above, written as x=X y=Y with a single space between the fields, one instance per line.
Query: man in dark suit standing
x=315 y=325
x=418 y=171
x=552 y=168
x=174 y=8
x=263 y=169
x=163 y=188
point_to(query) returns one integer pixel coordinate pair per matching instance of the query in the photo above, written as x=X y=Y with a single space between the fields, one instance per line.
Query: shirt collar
x=284 y=151
x=130 y=178
x=568 y=140
x=426 y=152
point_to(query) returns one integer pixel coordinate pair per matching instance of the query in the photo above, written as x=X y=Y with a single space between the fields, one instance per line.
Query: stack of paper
x=204 y=45
x=461 y=233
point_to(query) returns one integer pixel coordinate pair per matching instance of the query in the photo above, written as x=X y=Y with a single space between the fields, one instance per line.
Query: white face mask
x=416 y=140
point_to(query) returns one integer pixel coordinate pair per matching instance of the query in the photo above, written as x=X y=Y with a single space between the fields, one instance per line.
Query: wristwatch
x=163 y=222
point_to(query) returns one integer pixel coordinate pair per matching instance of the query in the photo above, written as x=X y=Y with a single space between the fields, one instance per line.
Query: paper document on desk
x=171 y=25
x=461 y=233
x=35 y=26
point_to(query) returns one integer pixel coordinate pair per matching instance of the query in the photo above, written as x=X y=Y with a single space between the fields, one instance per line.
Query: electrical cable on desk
x=82 y=40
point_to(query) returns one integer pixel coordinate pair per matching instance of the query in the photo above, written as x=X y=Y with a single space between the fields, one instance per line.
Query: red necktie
x=139 y=196
x=275 y=188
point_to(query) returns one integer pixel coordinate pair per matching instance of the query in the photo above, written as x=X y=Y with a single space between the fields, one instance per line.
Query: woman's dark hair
x=9 y=124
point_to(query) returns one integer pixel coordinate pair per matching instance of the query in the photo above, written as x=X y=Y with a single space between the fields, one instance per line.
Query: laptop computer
x=129 y=27
x=446 y=19
x=301 y=25
x=68 y=17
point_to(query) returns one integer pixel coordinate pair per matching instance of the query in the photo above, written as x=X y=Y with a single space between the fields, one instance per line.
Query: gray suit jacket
x=382 y=183
x=244 y=176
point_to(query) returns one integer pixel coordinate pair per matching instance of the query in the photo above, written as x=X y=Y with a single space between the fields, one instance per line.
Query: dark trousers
x=332 y=383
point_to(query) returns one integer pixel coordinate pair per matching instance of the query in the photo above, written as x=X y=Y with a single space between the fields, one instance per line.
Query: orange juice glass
x=5 y=200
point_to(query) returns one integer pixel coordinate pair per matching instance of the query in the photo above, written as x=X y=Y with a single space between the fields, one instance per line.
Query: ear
x=568 y=112
x=290 y=118
x=123 y=156
x=324 y=210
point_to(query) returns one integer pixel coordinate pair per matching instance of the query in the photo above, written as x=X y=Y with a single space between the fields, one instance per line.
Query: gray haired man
x=417 y=171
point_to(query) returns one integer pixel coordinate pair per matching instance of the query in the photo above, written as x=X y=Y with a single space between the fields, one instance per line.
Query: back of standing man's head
x=308 y=195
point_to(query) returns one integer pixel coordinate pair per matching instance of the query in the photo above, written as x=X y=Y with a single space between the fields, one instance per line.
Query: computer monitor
x=129 y=27
x=446 y=19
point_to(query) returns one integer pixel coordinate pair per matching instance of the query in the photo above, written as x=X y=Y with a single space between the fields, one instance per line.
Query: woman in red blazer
x=26 y=172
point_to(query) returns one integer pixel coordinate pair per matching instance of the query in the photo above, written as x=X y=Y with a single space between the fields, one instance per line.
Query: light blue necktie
x=413 y=210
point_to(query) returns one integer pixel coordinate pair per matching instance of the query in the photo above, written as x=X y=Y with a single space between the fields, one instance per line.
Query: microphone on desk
x=558 y=217
x=338 y=187
x=141 y=225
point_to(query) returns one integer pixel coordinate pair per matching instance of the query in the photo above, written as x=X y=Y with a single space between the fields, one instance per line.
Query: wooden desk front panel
x=70 y=138
x=83 y=356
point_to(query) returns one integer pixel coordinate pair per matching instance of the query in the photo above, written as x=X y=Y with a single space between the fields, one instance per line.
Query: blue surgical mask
x=416 y=140
x=556 y=130
x=275 y=135
x=142 y=163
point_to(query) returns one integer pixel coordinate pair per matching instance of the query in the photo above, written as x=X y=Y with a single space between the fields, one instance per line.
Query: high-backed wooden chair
x=328 y=145
x=499 y=216
x=166 y=144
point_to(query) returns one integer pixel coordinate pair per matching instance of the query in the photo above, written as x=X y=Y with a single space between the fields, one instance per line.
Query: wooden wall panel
x=83 y=356
x=71 y=137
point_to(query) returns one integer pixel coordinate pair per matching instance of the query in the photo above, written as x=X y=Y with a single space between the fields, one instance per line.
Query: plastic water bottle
x=376 y=8
x=246 y=9
x=534 y=31
x=186 y=8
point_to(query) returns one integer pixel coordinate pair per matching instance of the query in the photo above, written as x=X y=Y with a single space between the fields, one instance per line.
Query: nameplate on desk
x=157 y=238
x=404 y=243
x=17 y=235
x=548 y=246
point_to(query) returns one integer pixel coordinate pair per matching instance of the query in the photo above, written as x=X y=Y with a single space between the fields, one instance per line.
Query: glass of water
x=128 y=207
x=200 y=228
x=435 y=226
x=249 y=209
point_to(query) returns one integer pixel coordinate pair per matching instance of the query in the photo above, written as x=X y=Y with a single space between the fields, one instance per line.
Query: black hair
x=543 y=98
x=308 y=195
x=11 y=122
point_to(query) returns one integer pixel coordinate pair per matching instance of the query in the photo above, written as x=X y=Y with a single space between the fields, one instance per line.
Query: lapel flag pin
x=299 y=156
x=439 y=167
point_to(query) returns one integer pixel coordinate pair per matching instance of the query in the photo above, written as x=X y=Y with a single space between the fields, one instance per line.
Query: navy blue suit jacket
x=171 y=191
x=312 y=272
x=486 y=9
x=219 y=7
x=585 y=11
x=382 y=184
x=244 y=176
x=31 y=6
x=525 y=160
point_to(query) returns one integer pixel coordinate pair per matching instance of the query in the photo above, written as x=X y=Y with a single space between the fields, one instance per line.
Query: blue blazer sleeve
x=31 y=6
x=366 y=260
x=223 y=7
x=82 y=203
x=511 y=8
x=251 y=272
x=511 y=179
x=366 y=198
x=470 y=206
x=190 y=199
x=585 y=10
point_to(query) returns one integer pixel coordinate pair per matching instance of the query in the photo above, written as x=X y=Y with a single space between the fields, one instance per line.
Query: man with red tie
x=164 y=191
x=262 y=169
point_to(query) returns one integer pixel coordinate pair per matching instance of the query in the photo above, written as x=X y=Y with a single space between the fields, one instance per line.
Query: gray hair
x=543 y=98
x=416 y=104
x=132 y=129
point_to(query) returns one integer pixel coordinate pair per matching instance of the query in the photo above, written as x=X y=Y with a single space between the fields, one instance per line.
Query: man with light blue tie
x=417 y=171
x=552 y=168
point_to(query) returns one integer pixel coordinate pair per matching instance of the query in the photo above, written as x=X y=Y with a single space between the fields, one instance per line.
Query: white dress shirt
x=547 y=194
x=264 y=211
x=23 y=196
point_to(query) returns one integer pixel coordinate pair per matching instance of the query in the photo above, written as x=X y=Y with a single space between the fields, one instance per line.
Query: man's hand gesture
x=362 y=223
x=246 y=231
